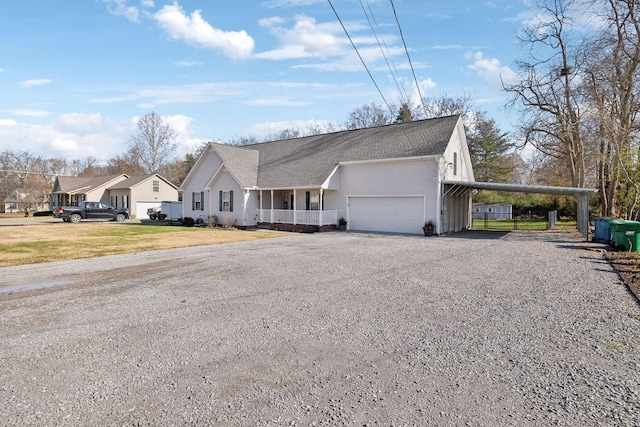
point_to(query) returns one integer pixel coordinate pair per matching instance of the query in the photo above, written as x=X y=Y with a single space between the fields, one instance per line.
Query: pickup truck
x=90 y=210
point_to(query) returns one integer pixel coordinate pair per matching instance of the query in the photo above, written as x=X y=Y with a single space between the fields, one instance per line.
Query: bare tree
x=448 y=106
x=153 y=145
x=613 y=87
x=548 y=88
x=369 y=115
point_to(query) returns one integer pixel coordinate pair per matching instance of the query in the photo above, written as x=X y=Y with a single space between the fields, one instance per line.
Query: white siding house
x=384 y=179
x=492 y=211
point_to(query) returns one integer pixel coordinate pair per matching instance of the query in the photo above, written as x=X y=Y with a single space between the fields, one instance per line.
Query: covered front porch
x=295 y=207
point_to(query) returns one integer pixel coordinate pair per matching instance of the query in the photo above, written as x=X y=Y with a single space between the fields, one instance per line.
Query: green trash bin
x=617 y=232
x=625 y=234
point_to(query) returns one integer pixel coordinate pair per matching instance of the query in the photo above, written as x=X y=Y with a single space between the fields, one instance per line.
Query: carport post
x=582 y=214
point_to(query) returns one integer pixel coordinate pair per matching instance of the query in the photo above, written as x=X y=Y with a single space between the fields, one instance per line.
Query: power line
x=360 y=56
x=415 y=79
x=387 y=56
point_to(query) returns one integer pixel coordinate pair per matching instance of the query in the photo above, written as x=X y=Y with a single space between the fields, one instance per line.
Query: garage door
x=386 y=214
x=141 y=209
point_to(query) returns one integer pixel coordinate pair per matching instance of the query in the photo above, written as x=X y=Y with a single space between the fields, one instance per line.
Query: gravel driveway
x=325 y=329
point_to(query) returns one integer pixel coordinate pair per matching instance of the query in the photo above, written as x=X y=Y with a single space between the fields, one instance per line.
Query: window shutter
x=202 y=200
x=220 y=202
x=231 y=201
x=193 y=201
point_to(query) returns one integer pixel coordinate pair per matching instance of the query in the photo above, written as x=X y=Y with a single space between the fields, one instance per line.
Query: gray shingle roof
x=241 y=162
x=308 y=161
x=71 y=184
x=130 y=182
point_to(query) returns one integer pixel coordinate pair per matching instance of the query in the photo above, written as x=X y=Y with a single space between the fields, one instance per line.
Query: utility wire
x=360 y=56
x=386 y=56
x=415 y=79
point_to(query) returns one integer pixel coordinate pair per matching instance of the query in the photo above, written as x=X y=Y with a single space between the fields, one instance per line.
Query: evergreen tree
x=489 y=149
x=404 y=115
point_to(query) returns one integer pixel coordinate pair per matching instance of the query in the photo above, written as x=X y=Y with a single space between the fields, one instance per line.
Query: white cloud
x=277 y=101
x=490 y=70
x=35 y=82
x=132 y=13
x=178 y=123
x=195 y=30
x=8 y=122
x=447 y=47
x=81 y=124
x=27 y=112
x=305 y=39
x=291 y=3
x=187 y=63
x=64 y=144
x=52 y=142
x=121 y=8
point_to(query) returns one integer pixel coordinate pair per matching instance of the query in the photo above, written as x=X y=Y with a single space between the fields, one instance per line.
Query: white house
x=385 y=179
x=492 y=211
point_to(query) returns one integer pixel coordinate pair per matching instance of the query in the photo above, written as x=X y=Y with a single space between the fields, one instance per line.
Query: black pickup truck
x=90 y=210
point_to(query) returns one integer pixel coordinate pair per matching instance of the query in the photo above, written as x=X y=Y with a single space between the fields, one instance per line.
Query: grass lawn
x=37 y=243
x=521 y=224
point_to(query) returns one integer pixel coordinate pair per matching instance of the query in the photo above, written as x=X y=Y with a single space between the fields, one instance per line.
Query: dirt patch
x=627 y=264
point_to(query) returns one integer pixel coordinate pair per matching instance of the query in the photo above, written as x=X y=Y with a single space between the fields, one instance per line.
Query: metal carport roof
x=580 y=195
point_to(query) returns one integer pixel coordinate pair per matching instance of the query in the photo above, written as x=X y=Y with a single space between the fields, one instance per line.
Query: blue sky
x=76 y=75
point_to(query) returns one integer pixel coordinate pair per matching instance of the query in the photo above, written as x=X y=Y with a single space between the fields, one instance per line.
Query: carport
x=453 y=189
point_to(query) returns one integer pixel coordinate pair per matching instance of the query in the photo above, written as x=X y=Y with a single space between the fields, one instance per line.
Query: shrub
x=211 y=221
x=229 y=222
x=188 y=221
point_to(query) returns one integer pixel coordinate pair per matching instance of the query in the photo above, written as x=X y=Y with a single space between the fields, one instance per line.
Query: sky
x=76 y=75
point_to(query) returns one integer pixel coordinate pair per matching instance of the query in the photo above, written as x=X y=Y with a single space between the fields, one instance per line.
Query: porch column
x=247 y=194
x=321 y=207
x=295 y=202
x=271 y=211
x=261 y=220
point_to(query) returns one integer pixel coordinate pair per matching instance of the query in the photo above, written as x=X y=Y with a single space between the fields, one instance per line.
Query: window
x=455 y=163
x=226 y=201
x=312 y=200
x=156 y=186
x=114 y=201
x=197 y=201
x=125 y=202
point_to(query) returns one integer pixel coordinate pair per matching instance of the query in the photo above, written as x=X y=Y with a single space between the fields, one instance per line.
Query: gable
x=203 y=170
x=138 y=180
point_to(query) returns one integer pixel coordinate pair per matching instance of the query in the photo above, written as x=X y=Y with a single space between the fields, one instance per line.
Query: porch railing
x=298 y=217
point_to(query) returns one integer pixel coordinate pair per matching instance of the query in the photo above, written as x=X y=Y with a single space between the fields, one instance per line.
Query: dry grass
x=37 y=243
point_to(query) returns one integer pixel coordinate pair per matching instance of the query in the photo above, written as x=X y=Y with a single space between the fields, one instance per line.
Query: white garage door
x=141 y=209
x=386 y=214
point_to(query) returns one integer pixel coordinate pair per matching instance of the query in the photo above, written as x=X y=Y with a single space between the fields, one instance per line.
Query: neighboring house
x=492 y=211
x=142 y=192
x=11 y=205
x=135 y=193
x=20 y=201
x=385 y=179
x=71 y=190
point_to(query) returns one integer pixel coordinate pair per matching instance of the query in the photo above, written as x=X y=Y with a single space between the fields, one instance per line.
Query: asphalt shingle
x=309 y=161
